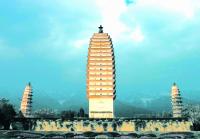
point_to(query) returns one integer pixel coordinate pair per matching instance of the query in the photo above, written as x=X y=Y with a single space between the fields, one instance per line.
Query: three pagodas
x=101 y=81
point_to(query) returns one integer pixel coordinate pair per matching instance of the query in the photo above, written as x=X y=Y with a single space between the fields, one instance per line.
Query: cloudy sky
x=45 y=42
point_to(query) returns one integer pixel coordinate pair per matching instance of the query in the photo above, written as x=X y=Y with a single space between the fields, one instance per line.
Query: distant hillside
x=123 y=109
x=160 y=104
x=134 y=105
x=163 y=103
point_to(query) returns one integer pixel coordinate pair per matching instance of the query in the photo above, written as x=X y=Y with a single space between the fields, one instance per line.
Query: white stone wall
x=101 y=108
x=113 y=125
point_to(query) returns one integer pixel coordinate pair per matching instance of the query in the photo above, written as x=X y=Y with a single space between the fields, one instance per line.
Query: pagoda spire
x=100 y=29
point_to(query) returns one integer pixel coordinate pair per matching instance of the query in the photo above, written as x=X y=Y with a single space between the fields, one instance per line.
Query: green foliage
x=69 y=125
x=105 y=125
x=81 y=113
x=92 y=127
x=99 y=122
x=166 y=114
x=24 y=121
x=20 y=115
x=7 y=113
x=86 y=123
x=72 y=129
x=114 y=126
x=193 y=113
x=68 y=114
x=119 y=123
x=140 y=124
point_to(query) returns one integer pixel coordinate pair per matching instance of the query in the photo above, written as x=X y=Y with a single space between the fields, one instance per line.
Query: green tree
x=81 y=113
x=193 y=113
x=24 y=121
x=7 y=113
x=166 y=114
x=68 y=114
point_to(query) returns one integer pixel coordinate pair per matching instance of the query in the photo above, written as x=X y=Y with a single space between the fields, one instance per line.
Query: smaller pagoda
x=177 y=104
x=26 y=103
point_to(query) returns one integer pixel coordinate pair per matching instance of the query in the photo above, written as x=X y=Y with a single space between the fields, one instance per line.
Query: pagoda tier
x=101 y=76
x=26 y=103
x=177 y=105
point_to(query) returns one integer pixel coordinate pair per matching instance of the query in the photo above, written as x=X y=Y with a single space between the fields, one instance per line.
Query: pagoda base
x=101 y=108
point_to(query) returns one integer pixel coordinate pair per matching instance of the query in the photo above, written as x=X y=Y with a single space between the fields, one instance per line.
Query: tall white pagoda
x=101 y=76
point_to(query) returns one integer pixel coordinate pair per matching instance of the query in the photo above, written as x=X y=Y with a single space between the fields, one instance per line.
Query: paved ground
x=9 y=134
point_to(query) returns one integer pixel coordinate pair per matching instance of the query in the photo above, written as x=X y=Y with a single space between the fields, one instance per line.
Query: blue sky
x=156 y=43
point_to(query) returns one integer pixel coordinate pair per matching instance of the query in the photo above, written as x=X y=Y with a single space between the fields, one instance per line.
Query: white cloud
x=137 y=34
x=186 y=8
x=80 y=43
x=111 y=12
